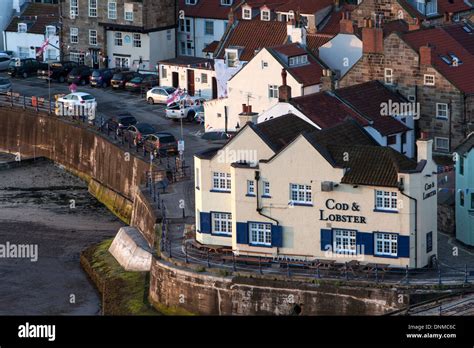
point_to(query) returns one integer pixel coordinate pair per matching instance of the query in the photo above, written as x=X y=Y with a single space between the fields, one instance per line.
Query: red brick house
x=432 y=67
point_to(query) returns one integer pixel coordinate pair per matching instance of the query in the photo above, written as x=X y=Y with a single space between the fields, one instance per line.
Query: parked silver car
x=4 y=61
x=5 y=85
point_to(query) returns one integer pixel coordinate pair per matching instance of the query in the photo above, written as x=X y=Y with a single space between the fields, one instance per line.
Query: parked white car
x=185 y=109
x=159 y=94
x=5 y=60
x=77 y=104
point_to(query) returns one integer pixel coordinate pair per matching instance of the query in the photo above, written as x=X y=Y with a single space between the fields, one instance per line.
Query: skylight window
x=298 y=60
x=455 y=59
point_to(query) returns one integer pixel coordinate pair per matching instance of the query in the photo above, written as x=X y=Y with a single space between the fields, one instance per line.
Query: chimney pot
x=426 y=55
x=249 y=109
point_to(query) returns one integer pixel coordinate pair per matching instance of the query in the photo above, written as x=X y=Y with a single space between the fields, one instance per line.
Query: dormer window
x=226 y=2
x=50 y=30
x=246 y=13
x=232 y=57
x=22 y=28
x=191 y=2
x=427 y=8
x=265 y=15
x=298 y=60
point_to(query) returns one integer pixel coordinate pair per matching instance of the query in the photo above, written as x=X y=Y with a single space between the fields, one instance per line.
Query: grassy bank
x=123 y=293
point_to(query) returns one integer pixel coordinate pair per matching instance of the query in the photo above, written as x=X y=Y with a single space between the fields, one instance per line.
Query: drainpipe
x=450 y=122
x=401 y=189
x=259 y=210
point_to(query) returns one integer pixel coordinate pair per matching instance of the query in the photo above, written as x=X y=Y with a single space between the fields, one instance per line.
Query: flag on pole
x=175 y=96
x=42 y=48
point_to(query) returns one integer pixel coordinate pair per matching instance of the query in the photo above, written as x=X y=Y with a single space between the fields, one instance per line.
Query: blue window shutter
x=242 y=233
x=365 y=240
x=205 y=222
x=326 y=239
x=277 y=236
x=403 y=246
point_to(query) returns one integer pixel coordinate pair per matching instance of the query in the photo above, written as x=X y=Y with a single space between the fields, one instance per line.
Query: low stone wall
x=446 y=218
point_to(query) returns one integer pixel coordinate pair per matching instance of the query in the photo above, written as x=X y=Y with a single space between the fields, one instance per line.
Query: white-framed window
x=272 y=91
x=118 y=39
x=266 y=188
x=344 y=241
x=74 y=35
x=264 y=64
x=429 y=80
x=388 y=76
x=204 y=78
x=386 y=244
x=185 y=25
x=221 y=223
x=221 y=181
x=226 y=2
x=23 y=52
x=208 y=28
x=51 y=54
x=137 y=40
x=92 y=37
x=300 y=193
x=386 y=200
x=191 y=2
x=112 y=9
x=260 y=233
x=247 y=13
x=122 y=62
x=50 y=30
x=265 y=15
x=231 y=57
x=298 y=60
x=441 y=144
x=128 y=12
x=22 y=28
x=92 y=8
x=164 y=72
x=442 y=111
x=74 y=8
x=77 y=57
x=250 y=187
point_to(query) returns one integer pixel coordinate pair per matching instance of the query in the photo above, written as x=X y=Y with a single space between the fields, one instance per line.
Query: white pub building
x=283 y=189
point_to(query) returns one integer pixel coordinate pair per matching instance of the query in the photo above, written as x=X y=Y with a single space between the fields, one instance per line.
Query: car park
x=186 y=108
x=119 y=79
x=24 y=67
x=160 y=143
x=5 y=60
x=80 y=75
x=57 y=71
x=142 y=82
x=101 y=77
x=137 y=132
x=5 y=85
x=159 y=94
x=76 y=104
x=121 y=122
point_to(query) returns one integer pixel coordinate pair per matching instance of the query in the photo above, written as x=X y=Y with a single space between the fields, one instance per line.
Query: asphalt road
x=112 y=102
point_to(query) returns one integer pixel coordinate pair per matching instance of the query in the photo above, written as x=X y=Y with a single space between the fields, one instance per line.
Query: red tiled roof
x=304 y=6
x=356 y=96
x=444 y=40
x=253 y=35
x=37 y=17
x=453 y=6
x=326 y=110
x=332 y=26
x=313 y=42
x=308 y=74
x=206 y=9
x=211 y=47
x=397 y=25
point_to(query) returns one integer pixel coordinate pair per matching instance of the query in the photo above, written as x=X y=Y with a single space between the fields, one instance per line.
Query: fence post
x=186 y=252
x=24 y=102
x=376 y=273
x=439 y=275
x=288 y=269
x=169 y=242
x=346 y=275
x=208 y=263
x=233 y=262
x=260 y=264
x=406 y=275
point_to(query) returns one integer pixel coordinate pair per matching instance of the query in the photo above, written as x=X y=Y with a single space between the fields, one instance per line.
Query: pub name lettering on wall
x=331 y=204
x=431 y=193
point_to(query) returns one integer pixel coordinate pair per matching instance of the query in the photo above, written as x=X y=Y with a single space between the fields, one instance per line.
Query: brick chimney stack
x=231 y=17
x=426 y=55
x=284 y=91
x=328 y=80
x=372 y=38
x=346 y=25
x=415 y=25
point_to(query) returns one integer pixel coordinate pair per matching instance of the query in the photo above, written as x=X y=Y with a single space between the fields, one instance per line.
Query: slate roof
x=314 y=41
x=193 y=62
x=253 y=35
x=307 y=74
x=206 y=9
x=331 y=25
x=211 y=47
x=444 y=40
x=356 y=96
x=37 y=16
x=304 y=6
x=466 y=145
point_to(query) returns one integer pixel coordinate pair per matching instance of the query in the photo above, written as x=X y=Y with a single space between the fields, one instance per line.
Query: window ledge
x=300 y=204
x=266 y=196
x=218 y=234
x=260 y=245
x=386 y=256
x=385 y=211
x=220 y=191
x=249 y=195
